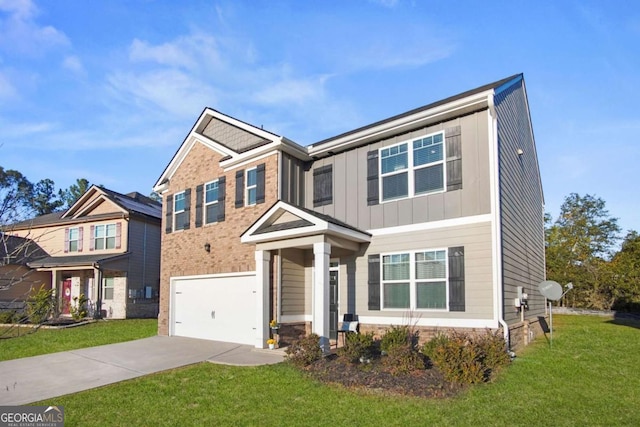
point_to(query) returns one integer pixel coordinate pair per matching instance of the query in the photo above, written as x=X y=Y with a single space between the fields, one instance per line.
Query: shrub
x=357 y=346
x=459 y=359
x=9 y=316
x=40 y=306
x=403 y=359
x=78 y=309
x=494 y=351
x=429 y=347
x=398 y=336
x=304 y=351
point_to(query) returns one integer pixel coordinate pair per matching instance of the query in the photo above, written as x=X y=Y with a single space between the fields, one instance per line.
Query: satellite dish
x=550 y=290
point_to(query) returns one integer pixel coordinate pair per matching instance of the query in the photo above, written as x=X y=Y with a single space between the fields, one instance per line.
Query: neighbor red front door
x=66 y=296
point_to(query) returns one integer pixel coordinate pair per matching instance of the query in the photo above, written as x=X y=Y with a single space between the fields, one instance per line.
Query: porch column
x=262 y=298
x=320 y=326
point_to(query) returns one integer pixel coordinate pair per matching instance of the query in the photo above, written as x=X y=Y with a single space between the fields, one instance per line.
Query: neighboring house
x=433 y=218
x=17 y=281
x=106 y=247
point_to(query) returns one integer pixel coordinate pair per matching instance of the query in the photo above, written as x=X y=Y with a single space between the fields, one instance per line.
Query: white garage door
x=220 y=308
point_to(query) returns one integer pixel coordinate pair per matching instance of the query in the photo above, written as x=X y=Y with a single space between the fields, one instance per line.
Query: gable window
x=211 y=196
x=251 y=188
x=104 y=237
x=412 y=168
x=179 y=204
x=415 y=280
x=107 y=288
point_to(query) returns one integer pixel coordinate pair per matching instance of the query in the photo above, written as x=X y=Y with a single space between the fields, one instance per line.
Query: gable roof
x=127 y=204
x=19 y=250
x=235 y=140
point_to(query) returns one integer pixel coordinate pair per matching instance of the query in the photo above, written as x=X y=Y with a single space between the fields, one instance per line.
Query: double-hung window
x=413 y=167
x=211 y=202
x=251 y=186
x=104 y=237
x=179 y=211
x=415 y=280
x=107 y=288
x=74 y=239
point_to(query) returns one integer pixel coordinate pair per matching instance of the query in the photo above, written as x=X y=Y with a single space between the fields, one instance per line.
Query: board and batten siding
x=144 y=258
x=479 y=280
x=292 y=172
x=350 y=182
x=521 y=203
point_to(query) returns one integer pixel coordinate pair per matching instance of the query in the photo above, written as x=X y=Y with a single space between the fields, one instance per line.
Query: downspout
x=496 y=223
x=98 y=313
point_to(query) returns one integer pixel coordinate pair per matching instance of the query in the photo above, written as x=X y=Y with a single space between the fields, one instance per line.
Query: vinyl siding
x=293 y=282
x=350 y=182
x=479 y=280
x=144 y=260
x=521 y=203
x=292 y=180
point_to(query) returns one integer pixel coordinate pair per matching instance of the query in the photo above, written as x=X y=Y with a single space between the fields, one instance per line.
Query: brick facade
x=183 y=252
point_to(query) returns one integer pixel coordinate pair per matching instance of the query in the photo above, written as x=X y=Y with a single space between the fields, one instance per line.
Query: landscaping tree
x=44 y=197
x=626 y=274
x=579 y=245
x=74 y=192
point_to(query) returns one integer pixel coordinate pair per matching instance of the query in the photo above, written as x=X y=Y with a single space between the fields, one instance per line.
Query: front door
x=66 y=296
x=333 y=301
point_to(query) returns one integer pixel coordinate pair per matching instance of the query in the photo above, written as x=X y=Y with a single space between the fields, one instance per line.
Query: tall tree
x=44 y=197
x=15 y=192
x=74 y=192
x=626 y=273
x=579 y=244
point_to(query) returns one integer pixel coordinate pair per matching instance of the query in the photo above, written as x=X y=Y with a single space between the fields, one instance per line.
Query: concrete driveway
x=36 y=378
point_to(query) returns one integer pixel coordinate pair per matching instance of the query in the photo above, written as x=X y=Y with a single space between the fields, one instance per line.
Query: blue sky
x=107 y=90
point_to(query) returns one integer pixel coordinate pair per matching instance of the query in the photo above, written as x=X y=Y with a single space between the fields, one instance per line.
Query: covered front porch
x=299 y=255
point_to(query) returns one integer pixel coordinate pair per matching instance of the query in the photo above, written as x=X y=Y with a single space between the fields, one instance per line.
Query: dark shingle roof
x=19 y=250
x=73 y=260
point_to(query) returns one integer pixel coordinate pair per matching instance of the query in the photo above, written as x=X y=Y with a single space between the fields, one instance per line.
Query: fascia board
x=396 y=126
x=245 y=126
x=72 y=211
x=95 y=202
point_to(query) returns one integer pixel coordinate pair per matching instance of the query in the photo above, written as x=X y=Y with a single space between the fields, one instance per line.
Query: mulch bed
x=373 y=377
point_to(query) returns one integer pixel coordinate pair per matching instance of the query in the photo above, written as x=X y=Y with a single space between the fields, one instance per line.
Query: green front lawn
x=589 y=377
x=45 y=341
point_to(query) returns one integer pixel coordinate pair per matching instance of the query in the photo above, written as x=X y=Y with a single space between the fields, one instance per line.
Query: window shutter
x=66 y=239
x=240 y=188
x=168 y=218
x=260 y=183
x=374 y=282
x=118 y=235
x=453 y=140
x=80 y=236
x=221 y=197
x=323 y=186
x=92 y=237
x=456 y=279
x=199 y=200
x=187 y=209
x=373 y=196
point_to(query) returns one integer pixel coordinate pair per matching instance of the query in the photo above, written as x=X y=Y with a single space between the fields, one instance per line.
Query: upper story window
x=323 y=186
x=211 y=196
x=251 y=186
x=412 y=168
x=104 y=237
x=74 y=240
x=179 y=210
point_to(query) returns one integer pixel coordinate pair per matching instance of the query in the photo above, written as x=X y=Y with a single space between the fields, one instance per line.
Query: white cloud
x=7 y=91
x=73 y=64
x=292 y=91
x=190 y=52
x=386 y=3
x=22 y=34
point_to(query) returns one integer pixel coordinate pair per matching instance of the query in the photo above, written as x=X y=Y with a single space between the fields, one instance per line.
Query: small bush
x=429 y=347
x=40 y=306
x=398 y=336
x=358 y=346
x=78 y=309
x=494 y=350
x=403 y=359
x=459 y=359
x=9 y=316
x=304 y=351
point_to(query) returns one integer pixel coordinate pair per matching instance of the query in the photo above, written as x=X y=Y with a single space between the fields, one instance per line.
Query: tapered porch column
x=320 y=326
x=262 y=298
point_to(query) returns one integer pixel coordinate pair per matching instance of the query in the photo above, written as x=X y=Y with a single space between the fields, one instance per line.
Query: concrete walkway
x=31 y=379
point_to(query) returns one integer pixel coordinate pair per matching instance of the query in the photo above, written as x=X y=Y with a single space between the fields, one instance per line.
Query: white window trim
x=410 y=170
x=104 y=287
x=77 y=240
x=205 y=204
x=248 y=187
x=176 y=212
x=413 y=282
x=104 y=237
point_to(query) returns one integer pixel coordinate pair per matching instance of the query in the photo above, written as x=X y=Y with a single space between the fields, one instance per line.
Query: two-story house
x=433 y=218
x=105 y=247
